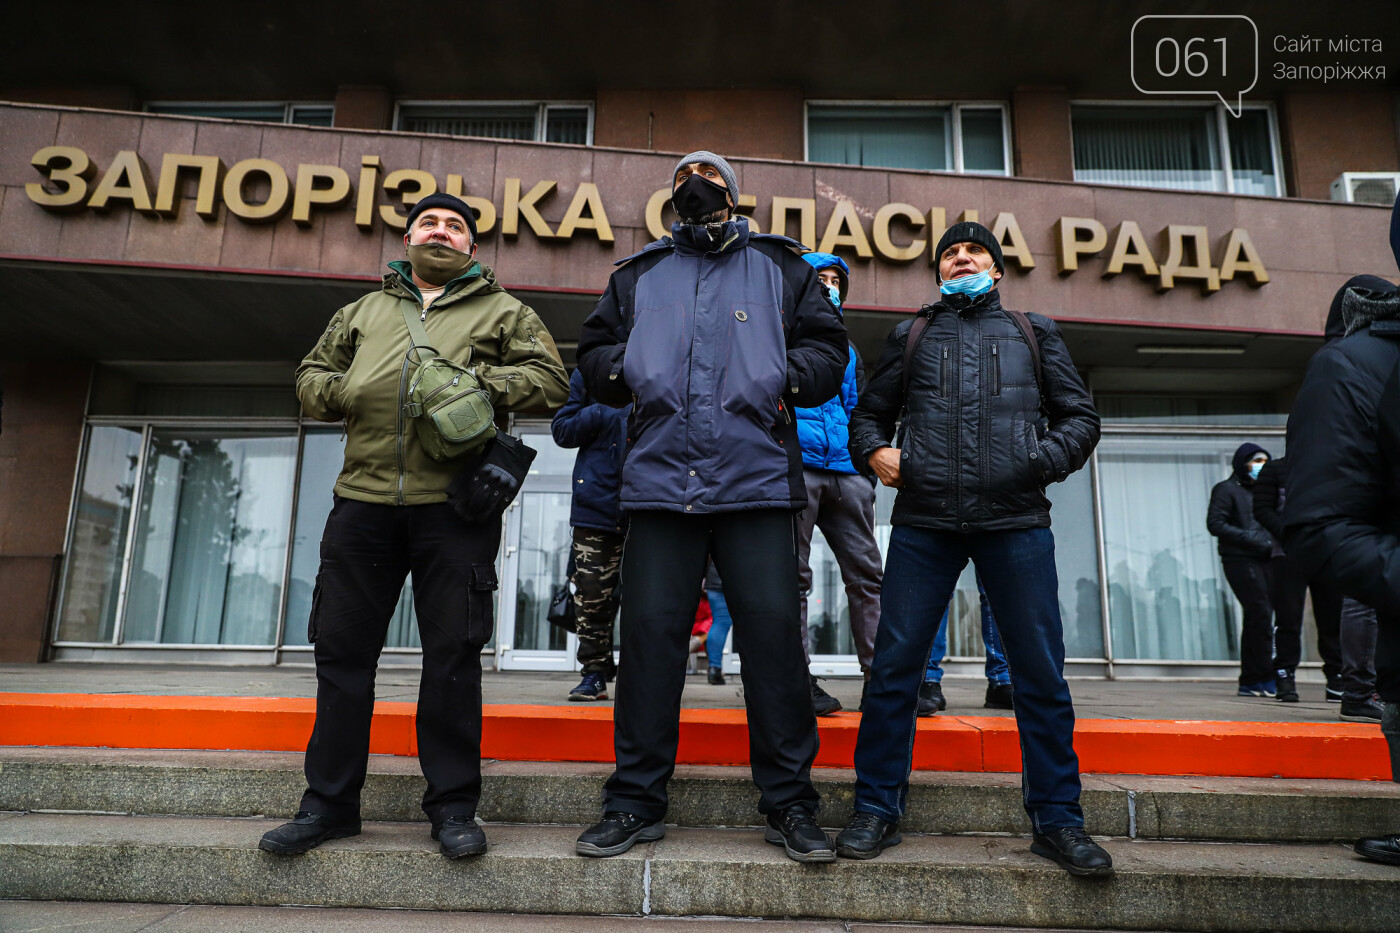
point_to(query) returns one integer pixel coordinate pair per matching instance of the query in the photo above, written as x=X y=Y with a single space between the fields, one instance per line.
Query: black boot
x=866 y=837
x=305 y=832
x=930 y=699
x=459 y=836
x=616 y=833
x=823 y=703
x=999 y=696
x=716 y=676
x=1073 y=850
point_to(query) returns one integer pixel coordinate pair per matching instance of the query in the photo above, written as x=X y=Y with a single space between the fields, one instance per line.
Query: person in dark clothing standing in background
x=715 y=334
x=1343 y=515
x=971 y=376
x=1246 y=549
x=599 y=528
x=1289 y=588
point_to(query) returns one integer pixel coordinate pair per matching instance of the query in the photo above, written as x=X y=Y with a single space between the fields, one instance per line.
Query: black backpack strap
x=1024 y=324
x=910 y=343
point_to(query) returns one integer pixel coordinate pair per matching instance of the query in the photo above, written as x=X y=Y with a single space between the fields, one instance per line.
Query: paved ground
x=1093 y=699
x=70 y=917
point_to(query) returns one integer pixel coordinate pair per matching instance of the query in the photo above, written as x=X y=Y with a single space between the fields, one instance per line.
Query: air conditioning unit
x=1367 y=187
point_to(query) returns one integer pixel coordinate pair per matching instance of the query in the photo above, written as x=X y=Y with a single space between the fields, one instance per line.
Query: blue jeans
x=997 y=671
x=1018 y=571
x=719 y=627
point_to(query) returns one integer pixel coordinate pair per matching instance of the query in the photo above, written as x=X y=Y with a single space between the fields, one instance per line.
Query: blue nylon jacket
x=824 y=432
x=600 y=434
x=717 y=334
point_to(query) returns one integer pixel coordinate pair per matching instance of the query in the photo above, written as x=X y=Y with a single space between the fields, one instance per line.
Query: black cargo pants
x=366 y=552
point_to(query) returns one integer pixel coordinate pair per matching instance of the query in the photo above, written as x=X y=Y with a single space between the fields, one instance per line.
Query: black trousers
x=1250 y=581
x=1290 y=588
x=663 y=563
x=366 y=552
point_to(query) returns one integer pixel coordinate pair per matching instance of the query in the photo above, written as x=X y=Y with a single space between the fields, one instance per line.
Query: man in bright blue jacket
x=599 y=528
x=840 y=501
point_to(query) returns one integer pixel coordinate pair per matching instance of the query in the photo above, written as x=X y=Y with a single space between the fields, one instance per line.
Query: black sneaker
x=1334 y=692
x=1285 y=687
x=594 y=686
x=998 y=696
x=823 y=703
x=866 y=837
x=715 y=676
x=1379 y=849
x=617 y=832
x=305 y=832
x=1073 y=850
x=1368 y=710
x=799 y=835
x=460 y=836
x=930 y=699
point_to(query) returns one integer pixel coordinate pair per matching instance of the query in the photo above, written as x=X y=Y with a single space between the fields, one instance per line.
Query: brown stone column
x=1041 y=133
x=41 y=429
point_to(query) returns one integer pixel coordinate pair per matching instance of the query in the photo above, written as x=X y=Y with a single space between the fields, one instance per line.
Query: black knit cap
x=447 y=202
x=969 y=231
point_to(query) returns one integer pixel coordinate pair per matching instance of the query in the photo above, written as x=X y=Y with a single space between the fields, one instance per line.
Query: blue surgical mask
x=1254 y=470
x=969 y=284
x=835 y=294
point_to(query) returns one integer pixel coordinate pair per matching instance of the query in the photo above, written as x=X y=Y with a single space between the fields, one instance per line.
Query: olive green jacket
x=359 y=371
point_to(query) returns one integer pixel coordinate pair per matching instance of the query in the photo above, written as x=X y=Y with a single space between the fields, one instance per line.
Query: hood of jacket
x=1243 y=455
x=1367 y=298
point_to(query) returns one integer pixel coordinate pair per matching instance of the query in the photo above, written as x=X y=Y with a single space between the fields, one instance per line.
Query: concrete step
x=700 y=872
x=110 y=917
x=257 y=784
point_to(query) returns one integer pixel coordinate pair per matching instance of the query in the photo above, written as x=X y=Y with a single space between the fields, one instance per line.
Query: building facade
x=179 y=220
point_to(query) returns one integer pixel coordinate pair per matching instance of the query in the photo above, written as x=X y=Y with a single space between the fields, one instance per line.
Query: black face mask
x=699 y=197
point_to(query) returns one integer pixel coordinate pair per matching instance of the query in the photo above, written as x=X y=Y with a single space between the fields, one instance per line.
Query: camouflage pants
x=597 y=568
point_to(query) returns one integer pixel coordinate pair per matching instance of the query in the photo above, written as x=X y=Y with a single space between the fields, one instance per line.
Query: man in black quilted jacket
x=993 y=412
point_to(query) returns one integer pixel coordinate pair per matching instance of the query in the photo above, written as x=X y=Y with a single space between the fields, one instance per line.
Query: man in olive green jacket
x=391 y=518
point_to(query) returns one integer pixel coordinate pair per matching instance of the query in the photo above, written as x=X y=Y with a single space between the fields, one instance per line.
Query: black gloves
x=490 y=482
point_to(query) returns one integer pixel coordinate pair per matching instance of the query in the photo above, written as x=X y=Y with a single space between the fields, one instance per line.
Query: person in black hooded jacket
x=1343 y=519
x=1246 y=549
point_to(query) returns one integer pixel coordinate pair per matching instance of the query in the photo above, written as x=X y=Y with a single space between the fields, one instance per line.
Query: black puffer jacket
x=1343 y=515
x=1230 y=516
x=979 y=442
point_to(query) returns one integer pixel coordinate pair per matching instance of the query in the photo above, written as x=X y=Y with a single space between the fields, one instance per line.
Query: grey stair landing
x=270 y=784
x=532 y=869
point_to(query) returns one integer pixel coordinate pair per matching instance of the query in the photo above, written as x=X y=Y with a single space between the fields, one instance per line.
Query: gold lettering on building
x=278 y=188
x=210 y=170
x=126 y=180
x=1130 y=249
x=485 y=211
x=419 y=183
x=880 y=232
x=517 y=207
x=1069 y=245
x=310 y=190
x=586 y=198
x=66 y=166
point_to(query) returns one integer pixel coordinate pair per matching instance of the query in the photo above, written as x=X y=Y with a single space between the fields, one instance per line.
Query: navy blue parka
x=600 y=434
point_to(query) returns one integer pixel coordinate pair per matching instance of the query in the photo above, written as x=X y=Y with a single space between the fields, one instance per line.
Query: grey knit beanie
x=725 y=172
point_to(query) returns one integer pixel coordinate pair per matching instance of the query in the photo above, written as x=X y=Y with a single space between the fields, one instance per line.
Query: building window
x=267 y=112
x=1198 y=148
x=540 y=121
x=938 y=137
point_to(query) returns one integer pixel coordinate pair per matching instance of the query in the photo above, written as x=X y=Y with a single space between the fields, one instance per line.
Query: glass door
x=536 y=553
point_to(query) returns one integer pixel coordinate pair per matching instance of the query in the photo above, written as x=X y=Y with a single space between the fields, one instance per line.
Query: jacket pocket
x=480 y=604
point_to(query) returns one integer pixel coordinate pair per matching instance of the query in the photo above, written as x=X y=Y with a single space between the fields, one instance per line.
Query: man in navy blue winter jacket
x=599 y=528
x=840 y=501
x=717 y=333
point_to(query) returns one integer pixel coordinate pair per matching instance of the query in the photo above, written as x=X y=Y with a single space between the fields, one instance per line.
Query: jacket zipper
x=943 y=374
x=996 y=370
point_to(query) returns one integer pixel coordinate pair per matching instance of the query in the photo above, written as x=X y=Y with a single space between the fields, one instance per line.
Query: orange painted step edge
x=716 y=737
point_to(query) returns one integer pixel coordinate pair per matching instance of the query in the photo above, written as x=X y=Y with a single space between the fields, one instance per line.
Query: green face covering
x=437 y=264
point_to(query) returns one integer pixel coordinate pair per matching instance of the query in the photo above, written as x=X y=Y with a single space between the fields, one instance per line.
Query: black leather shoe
x=1073 y=850
x=1380 y=849
x=930 y=699
x=617 y=832
x=999 y=696
x=799 y=835
x=459 y=836
x=716 y=676
x=305 y=832
x=866 y=837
